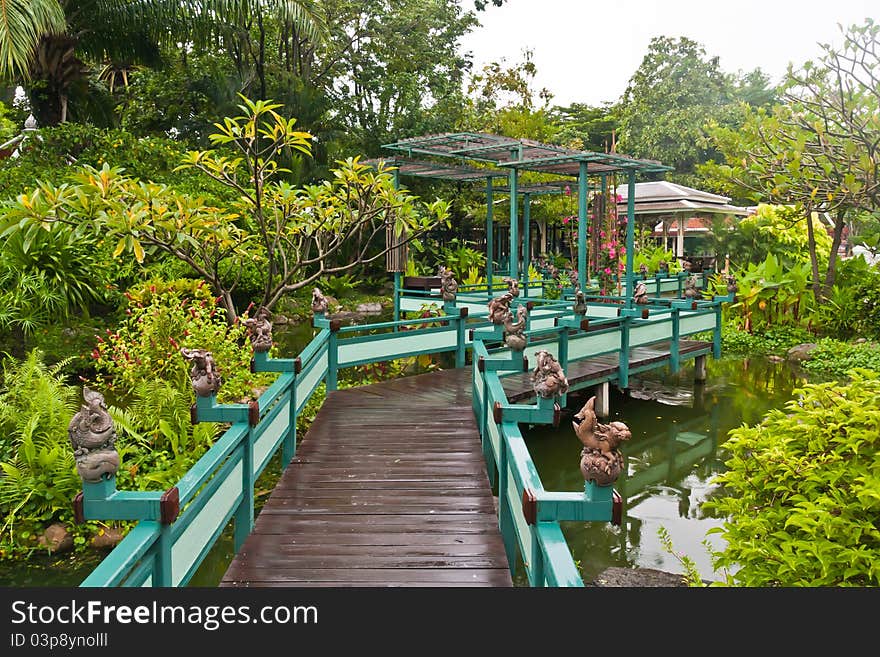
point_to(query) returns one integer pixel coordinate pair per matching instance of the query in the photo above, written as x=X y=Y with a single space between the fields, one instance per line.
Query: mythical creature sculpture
x=512 y=286
x=686 y=265
x=514 y=332
x=663 y=266
x=548 y=378
x=580 y=303
x=643 y=270
x=319 y=302
x=204 y=375
x=573 y=278
x=448 y=284
x=260 y=330
x=601 y=461
x=499 y=308
x=690 y=288
x=93 y=438
x=732 y=287
x=640 y=294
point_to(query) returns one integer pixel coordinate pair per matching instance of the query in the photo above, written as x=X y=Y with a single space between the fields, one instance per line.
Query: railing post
x=716 y=332
x=488 y=454
x=333 y=356
x=288 y=447
x=505 y=517
x=674 y=357
x=244 y=515
x=397 y=292
x=460 y=346
x=563 y=358
x=623 y=361
x=536 y=562
x=162 y=575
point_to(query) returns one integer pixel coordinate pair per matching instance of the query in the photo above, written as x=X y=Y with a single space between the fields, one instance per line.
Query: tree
x=672 y=95
x=296 y=235
x=587 y=128
x=819 y=149
x=47 y=44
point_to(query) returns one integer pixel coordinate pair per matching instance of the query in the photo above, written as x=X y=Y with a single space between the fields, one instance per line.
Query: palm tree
x=44 y=44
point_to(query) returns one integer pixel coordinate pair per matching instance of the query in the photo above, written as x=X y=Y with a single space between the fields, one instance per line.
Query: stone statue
x=448 y=284
x=512 y=286
x=732 y=287
x=580 y=303
x=319 y=302
x=93 y=437
x=548 y=378
x=204 y=375
x=573 y=278
x=514 y=332
x=601 y=461
x=643 y=270
x=690 y=288
x=499 y=308
x=640 y=294
x=686 y=265
x=260 y=330
x=663 y=266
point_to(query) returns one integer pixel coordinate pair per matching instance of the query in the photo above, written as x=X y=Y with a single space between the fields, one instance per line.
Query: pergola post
x=630 y=234
x=490 y=238
x=514 y=221
x=582 y=225
x=526 y=241
x=397 y=276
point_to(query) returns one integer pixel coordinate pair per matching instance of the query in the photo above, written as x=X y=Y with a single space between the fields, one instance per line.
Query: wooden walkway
x=389 y=488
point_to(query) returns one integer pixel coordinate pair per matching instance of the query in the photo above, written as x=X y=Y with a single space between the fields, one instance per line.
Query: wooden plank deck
x=389 y=488
x=518 y=387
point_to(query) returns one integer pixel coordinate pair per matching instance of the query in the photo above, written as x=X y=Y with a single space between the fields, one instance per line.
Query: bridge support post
x=603 y=399
x=244 y=514
x=700 y=368
x=333 y=357
x=716 y=333
x=674 y=355
x=460 y=345
x=623 y=362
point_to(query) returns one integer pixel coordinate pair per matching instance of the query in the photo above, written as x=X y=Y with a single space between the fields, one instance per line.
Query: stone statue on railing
x=640 y=294
x=204 y=375
x=690 y=288
x=686 y=265
x=548 y=379
x=732 y=287
x=601 y=460
x=260 y=330
x=514 y=332
x=93 y=439
x=663 y=266
x=448 y=284
x=643 y=270
x=499 y=308
x=573 y=278
x=512 y=286
x=580 y=302
x=319 y=302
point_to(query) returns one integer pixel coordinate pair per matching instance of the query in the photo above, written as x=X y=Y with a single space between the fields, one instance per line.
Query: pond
x=677 y=428
x=670 y=460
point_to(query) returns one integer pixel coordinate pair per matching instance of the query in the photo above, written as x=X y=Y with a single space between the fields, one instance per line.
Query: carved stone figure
x=663 y=266
x=319 y=302
x=93 y=438
x=732 y=287
x=690 y=288
x=573 y=278
x=601 y=461
x=643 y=270
x=260 y=330
x=512 y=286
x=640 y=294
x=580 y=303
x=514 y=332
x=548 y=378
x=499 y=308
x=686 y=265
x=204 y=375
x=448 y=284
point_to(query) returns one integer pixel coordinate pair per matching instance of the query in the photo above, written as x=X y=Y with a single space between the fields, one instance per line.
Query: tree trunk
x=814 y=258
x=54 y=69
x=831 y=274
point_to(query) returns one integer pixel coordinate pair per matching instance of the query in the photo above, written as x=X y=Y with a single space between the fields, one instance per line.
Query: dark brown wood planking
x=389 y=488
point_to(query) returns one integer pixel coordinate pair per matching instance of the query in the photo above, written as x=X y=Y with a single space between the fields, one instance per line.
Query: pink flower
x=565 y=220
x=619 y=198
x=607 y=270
x=601 y=233
x=612 y=253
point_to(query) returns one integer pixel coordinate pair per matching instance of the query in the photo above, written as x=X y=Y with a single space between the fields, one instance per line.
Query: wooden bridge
x=394 y=484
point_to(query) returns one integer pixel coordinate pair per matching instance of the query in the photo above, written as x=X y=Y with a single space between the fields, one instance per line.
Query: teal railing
x=177 y=528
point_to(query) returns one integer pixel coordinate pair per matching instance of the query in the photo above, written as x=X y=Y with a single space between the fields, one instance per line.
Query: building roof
x=664 y=197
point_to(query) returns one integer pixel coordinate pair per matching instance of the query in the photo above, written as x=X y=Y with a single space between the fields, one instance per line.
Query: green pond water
x=677 y=429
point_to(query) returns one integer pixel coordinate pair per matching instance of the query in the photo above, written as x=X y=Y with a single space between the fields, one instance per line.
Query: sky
x=586 y=51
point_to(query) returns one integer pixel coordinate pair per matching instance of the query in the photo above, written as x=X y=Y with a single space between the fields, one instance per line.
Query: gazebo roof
x=664 y=197
x=523 y=154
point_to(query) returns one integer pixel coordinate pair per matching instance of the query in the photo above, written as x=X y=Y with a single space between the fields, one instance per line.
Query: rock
x=68 y=332
x=370 y=308
x=801 y=351
x=280 y=319
x=107 y=537
x=775 y=359
x=332 y=302
x=56 y=538
x=641 y=577
x=861 y=340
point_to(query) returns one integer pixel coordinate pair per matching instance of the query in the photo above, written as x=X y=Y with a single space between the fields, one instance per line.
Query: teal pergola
x=482 y=156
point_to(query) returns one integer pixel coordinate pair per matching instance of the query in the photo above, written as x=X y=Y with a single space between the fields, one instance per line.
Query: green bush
x=836 y=358
x=776 y=340
x=852 y=308
x=802 y=491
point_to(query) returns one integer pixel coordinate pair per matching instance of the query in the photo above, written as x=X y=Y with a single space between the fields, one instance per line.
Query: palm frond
x=22 y=24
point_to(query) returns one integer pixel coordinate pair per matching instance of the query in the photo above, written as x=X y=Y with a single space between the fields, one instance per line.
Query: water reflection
x=678 y=429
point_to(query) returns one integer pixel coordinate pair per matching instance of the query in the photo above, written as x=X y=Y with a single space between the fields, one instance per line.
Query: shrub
x=802 y=490
x=837 y=358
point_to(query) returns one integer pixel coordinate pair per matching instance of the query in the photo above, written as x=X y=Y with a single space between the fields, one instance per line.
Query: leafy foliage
x=802 y=492
x=836 y=358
